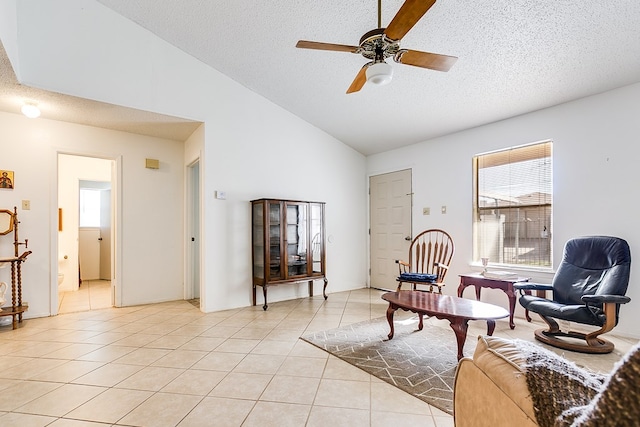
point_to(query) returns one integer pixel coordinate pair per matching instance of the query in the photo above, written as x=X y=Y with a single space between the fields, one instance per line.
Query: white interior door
x=193 y=206
x=390 y=225
x=105 y=235
x=89 y=253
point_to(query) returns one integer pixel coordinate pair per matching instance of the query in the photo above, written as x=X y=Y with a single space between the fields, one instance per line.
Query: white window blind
x=513 y=193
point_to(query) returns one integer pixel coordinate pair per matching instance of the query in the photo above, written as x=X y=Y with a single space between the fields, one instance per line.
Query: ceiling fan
x=382 y=43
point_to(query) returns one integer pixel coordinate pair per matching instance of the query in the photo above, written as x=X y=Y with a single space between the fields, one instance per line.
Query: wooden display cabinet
x=287 y=244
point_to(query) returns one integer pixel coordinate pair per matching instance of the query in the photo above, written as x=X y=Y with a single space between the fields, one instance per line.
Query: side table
x=479 y=281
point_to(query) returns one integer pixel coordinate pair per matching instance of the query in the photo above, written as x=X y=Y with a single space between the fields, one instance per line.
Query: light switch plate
x=221 y=195
x=443 y=209
x=426 y=211
x=26 y=205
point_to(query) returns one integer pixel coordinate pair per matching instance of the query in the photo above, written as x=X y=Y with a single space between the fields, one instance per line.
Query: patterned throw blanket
x=564 y=394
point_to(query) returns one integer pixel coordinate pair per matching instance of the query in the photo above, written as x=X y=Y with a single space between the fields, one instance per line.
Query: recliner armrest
x=527 y=286
x=601 y=299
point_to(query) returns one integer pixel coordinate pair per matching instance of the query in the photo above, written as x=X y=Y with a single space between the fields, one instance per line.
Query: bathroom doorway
x=85 y=233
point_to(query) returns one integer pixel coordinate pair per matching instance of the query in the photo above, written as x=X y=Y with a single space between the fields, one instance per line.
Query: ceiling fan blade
x=432 y=61
x=408 y=15
x=359 y=81
x=305 y=44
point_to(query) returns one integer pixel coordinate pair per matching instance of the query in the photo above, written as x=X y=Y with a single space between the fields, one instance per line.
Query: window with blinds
x=513 y=204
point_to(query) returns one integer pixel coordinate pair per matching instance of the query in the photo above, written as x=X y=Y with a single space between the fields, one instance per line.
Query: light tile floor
x=169 y=364
x=92 y=295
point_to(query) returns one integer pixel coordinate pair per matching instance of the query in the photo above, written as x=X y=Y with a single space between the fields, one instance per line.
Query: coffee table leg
x=460 y=327
x=390 y=312
x=420 y=323
x=491 y=326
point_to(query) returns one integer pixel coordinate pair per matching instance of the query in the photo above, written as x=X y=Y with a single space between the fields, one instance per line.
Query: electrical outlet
x=426 y=211
x=443 y=209
x=26 y=205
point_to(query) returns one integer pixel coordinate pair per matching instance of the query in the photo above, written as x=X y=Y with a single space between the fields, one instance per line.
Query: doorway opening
x=193 y=279
x=86 y=239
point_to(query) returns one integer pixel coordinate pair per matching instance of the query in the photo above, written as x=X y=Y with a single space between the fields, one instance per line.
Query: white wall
x=251 y=148
x=595 y=154
x=151 y=216
x=72 y=169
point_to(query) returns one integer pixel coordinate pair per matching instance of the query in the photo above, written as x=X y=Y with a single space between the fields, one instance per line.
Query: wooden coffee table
x=458 y=311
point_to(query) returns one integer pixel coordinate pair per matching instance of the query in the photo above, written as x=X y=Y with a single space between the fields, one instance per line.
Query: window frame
x=542 y=208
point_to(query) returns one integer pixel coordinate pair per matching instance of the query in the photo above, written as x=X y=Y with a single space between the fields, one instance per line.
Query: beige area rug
x=422 y=363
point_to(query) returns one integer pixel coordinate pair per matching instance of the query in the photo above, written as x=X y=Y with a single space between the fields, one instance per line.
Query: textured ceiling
x=71 y=109
x=515 y=56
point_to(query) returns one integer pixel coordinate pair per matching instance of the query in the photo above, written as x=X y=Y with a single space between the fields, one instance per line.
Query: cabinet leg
x=264 y=292
x=310 y=288
x=324 y=288
x=254 y=295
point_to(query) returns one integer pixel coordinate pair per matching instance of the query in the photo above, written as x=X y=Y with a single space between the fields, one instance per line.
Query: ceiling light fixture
x=30 y=110
x=379 y=73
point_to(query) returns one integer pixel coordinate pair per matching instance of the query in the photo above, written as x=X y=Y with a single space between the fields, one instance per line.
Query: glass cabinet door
x=258 y=240
x=297 y=239
x=317 y=238
x=275 y=239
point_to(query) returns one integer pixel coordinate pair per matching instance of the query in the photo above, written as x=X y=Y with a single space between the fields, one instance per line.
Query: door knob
x=100 y=238
x=408 y=238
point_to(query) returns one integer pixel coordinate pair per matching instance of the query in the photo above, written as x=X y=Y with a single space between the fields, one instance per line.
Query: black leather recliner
x=588 y=288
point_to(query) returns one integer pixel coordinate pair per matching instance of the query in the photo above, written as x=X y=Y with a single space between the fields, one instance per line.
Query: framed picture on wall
x=6 y=179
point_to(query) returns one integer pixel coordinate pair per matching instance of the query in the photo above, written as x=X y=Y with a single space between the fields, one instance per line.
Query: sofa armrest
x=494 y=378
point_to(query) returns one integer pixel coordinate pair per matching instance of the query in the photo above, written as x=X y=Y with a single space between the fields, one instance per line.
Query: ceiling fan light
x=379 y=73
x=30 y=110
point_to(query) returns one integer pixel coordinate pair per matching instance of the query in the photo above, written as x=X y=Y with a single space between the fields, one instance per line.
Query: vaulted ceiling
x=514 y=56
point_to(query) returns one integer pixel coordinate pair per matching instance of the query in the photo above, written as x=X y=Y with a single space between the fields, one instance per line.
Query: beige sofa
x=506 y=379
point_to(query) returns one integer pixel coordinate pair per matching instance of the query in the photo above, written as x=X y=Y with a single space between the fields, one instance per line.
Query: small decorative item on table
x=485 y=263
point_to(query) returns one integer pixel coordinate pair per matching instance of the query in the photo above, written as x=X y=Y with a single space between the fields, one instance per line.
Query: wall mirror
x=6 y=221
